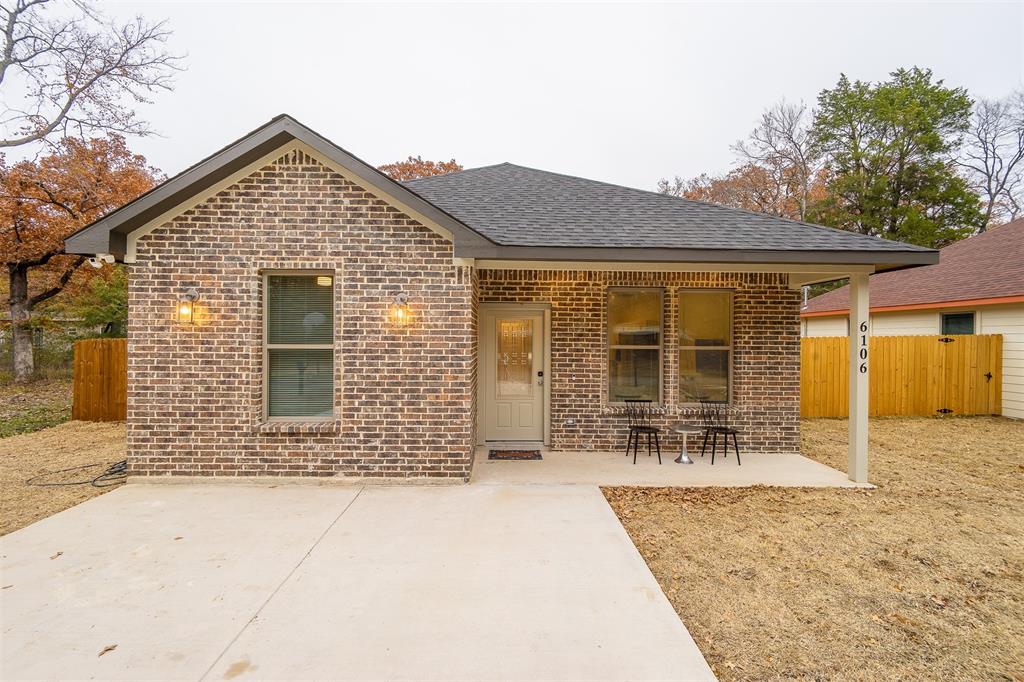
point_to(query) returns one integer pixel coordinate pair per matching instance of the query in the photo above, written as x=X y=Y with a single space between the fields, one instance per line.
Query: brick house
x=294 y=312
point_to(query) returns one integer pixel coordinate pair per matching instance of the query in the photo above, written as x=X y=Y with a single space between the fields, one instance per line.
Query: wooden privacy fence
x=909 y=375
x=101 y=380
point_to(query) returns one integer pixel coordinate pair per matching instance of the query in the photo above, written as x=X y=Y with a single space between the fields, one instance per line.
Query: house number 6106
x=864 y=347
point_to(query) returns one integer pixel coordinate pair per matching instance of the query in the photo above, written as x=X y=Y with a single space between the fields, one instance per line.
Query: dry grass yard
x=33 y=406
x=36 y=439
x=922 y=578
x=72 y=444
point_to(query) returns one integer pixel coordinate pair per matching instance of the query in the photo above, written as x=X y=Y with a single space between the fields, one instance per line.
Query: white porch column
x=857 y=465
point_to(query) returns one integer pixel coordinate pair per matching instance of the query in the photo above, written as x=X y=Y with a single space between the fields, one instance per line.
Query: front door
x=512 y=373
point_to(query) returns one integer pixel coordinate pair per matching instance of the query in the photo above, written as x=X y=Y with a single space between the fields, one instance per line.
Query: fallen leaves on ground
x=922 y=578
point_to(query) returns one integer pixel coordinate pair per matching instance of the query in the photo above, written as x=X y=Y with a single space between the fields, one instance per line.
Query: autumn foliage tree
x=751 y=187
x=416 y=167
x=779 y=173
x=44 y=201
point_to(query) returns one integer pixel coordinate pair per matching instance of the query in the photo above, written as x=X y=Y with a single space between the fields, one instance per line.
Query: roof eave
x=881 y=260
x=924 y=305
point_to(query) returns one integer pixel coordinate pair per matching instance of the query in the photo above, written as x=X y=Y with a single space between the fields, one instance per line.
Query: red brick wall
x=766 y=352
x=403 y=395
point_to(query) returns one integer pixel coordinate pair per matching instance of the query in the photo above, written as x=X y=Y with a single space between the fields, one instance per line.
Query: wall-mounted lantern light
x=187 y=307
x=400 y=313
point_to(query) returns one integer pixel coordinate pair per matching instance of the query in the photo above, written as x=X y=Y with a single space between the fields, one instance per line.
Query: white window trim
x=267 y=347
x=680 y=347
x=609 y=346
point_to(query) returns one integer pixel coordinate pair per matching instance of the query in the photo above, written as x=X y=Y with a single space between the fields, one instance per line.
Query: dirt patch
x=33 y=406
x=922 y=578
x=68 y=445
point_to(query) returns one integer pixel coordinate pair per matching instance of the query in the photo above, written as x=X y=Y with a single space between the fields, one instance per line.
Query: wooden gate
x=910 y=375
x=101 y=380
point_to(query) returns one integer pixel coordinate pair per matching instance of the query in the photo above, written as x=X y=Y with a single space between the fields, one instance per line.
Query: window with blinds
x=299 y=348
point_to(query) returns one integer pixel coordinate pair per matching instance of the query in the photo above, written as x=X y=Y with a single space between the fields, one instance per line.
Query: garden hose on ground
x=112 y=475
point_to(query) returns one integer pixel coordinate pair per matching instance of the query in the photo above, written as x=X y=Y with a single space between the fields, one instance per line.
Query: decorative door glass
x=514 y=358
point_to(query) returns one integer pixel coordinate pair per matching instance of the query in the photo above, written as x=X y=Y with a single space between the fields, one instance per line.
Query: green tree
x=101 y=304
x=890 y=148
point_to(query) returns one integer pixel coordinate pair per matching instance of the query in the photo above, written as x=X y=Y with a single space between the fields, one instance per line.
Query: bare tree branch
x=80 y=75
x=781 y=145
x=59 y=287
x=992 y=156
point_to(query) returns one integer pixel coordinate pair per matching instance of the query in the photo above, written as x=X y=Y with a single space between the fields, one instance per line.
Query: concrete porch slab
x=614 y=468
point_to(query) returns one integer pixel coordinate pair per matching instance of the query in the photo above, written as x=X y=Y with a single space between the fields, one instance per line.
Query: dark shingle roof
x=989 y=265
x=518 y=206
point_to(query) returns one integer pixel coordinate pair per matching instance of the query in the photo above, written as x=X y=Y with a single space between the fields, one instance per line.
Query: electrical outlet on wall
x=569 y=422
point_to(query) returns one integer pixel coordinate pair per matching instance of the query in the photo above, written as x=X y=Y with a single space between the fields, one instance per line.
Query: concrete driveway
x=306 y=582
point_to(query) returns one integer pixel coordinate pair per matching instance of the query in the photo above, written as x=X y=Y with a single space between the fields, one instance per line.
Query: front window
x=299 y=357
x=634 y=344
x=705 y=345
x=958 y=323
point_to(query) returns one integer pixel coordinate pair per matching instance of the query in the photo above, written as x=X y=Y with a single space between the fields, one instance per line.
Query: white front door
x=512 y=374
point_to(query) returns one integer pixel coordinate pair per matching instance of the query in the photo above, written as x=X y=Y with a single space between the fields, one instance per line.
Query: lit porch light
x=186 y=308
x=400 y=313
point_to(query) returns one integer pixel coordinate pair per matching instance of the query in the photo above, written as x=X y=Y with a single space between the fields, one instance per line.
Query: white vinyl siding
x=1008 y=320
x=831 y=325
x=906 y=323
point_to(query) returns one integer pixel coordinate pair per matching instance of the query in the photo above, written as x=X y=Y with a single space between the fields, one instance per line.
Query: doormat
x=514 y=454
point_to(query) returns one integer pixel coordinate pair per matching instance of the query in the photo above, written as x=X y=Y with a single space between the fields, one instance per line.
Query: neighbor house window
x=958 y=323
x=634 y=344
x=299 y=357
x=705 y=345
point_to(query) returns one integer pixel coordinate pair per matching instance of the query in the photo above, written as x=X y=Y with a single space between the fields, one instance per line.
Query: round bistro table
x=684 y=430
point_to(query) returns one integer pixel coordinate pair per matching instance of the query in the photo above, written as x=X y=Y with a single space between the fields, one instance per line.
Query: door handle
x=540 y=382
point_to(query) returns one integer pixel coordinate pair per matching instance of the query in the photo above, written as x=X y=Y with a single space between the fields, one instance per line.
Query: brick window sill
x=286 y=428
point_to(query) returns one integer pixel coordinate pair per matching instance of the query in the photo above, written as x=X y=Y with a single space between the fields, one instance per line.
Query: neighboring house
x=976 y=288
x=347 y=324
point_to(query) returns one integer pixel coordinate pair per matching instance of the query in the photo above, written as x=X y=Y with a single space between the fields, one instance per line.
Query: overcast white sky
x=626 y=93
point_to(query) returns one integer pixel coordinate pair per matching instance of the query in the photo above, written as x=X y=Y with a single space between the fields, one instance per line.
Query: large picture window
x=299 y=346
x=634 y=344
x=705 y=345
